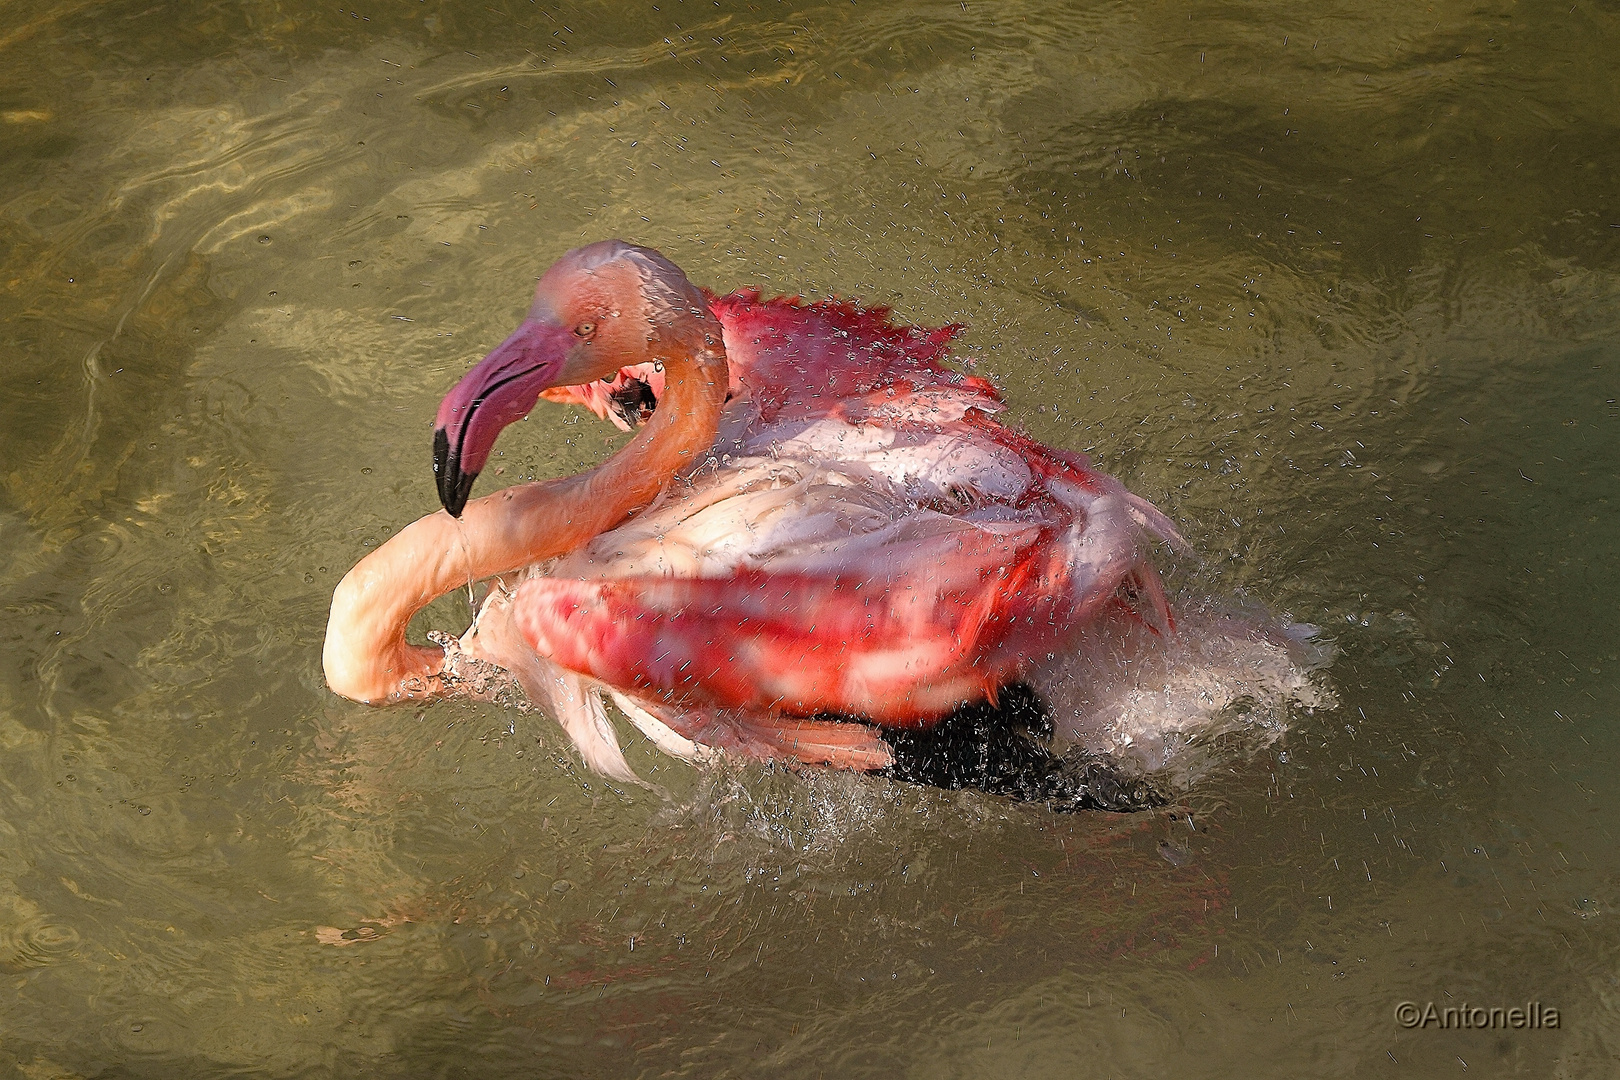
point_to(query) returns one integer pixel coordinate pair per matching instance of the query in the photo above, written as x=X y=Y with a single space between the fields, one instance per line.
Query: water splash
x=1159 y=705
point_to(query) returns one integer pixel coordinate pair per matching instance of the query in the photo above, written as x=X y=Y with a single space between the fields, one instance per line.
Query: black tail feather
x=1003 y=749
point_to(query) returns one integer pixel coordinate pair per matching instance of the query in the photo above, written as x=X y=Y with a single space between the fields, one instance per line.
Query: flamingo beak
x=498 y=391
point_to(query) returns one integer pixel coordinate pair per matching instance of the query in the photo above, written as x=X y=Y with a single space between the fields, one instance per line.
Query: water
x=1340 y=290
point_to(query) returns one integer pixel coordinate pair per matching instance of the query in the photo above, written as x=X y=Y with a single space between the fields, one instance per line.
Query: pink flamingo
x=818 y=517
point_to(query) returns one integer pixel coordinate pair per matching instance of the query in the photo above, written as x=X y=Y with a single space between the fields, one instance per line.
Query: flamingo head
x=599 y=308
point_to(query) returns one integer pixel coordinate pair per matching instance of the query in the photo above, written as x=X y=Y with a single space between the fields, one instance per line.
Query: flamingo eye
x=585 y=330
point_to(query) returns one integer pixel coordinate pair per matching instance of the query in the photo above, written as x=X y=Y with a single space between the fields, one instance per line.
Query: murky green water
x=1339 y=289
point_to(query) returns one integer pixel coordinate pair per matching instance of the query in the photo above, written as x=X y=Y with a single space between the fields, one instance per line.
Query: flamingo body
x=864 y=538
x=841 y=526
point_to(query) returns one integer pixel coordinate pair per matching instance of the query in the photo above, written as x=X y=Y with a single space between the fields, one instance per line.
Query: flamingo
x=818 y=518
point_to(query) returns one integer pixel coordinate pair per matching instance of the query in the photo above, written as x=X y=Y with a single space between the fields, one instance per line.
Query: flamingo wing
x=799 y=586
x=864 y=538
x=900 y=647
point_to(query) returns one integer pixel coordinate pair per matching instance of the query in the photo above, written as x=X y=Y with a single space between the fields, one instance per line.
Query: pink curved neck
x=366 y=656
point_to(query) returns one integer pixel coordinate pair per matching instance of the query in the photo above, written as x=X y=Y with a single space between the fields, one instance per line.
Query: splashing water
x=1163 y=705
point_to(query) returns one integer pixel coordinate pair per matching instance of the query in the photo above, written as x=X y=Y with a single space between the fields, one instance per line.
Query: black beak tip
x=454 y=485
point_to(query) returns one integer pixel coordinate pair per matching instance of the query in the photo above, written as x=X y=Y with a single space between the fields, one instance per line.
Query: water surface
x=1338 y=289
